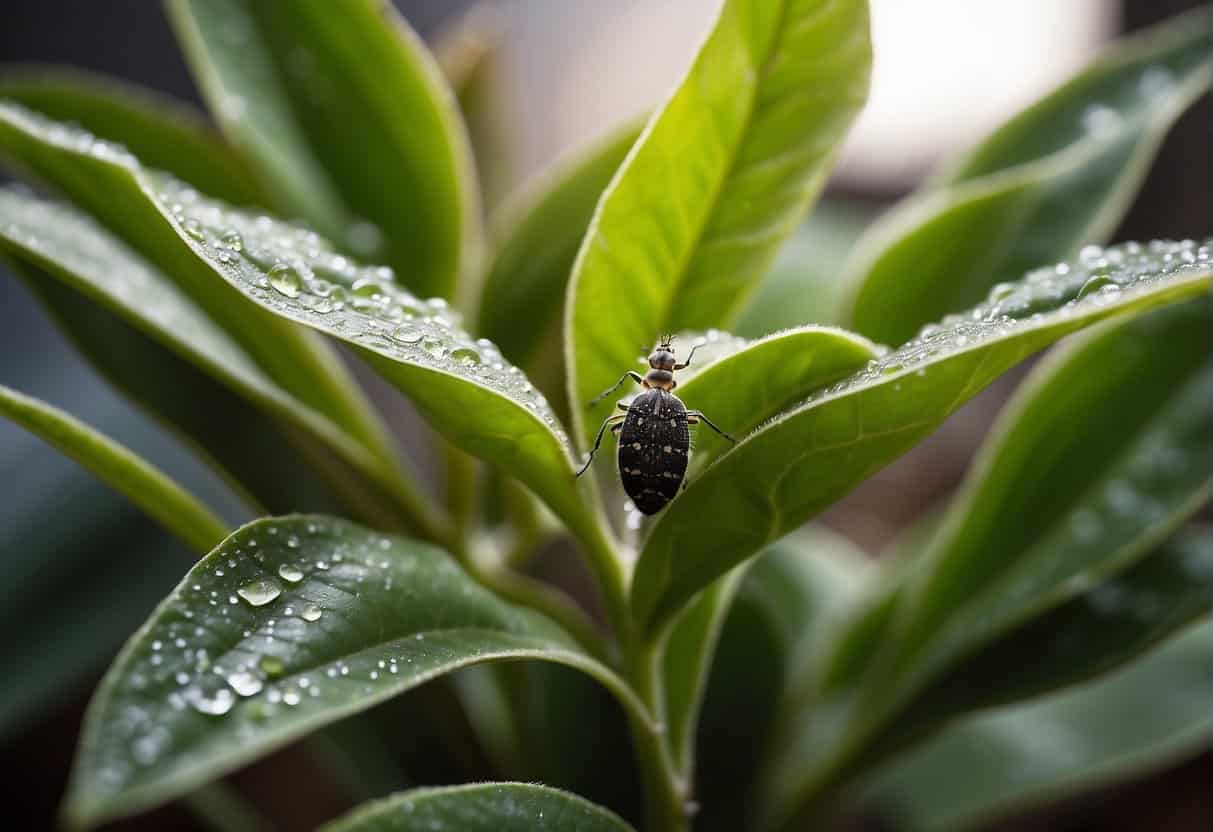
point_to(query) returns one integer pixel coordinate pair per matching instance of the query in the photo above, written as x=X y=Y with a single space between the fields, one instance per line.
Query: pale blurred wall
x=946 y=71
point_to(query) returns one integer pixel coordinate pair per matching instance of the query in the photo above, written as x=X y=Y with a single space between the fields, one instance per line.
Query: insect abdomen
x=654 y=446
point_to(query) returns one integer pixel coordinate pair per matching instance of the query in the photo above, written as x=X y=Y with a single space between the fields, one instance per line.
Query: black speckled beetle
x=654 y=434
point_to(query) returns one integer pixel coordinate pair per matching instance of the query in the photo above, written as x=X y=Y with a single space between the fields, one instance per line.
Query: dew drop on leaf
x=311 y=612
x=285 y=279
x=259 y=592
x=290 y=572
x=244 y=683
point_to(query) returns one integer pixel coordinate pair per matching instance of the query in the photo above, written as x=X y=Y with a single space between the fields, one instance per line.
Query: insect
x=654 y=434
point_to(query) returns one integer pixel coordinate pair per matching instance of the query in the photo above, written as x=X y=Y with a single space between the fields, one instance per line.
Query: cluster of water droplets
x=1105 y=118
x=1099 y=277
x=67 y=136
x=238 y=629
x=295 y=271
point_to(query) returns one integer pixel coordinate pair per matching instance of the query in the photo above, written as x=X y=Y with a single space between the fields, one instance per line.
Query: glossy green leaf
x=805 y=283
x=481 y=807
x=146 y=486
x=461 y=385
x=1056 y=503
x=164 y=133
x=787 y=603
x=536 y=237
x=796 y=466
x=152 y=342
x=106 y=181
x=722 y=173
x=740 y=384
x=289 y=624
x=1059 y=175
x=1151 y=714
x=348 y=117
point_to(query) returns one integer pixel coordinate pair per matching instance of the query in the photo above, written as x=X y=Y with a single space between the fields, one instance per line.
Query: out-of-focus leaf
x=722 y=173
x=165 y=134
x=786 y=472
x=106 y=181
x=344 y=111
x=787 y=603
x=144 y=484
x=153 y=342
x=1141 y=718
x=482 y=807
x=1059 y=175
x=1057 y=502
x=805 y=283
x=289 y=624
x=536 y=237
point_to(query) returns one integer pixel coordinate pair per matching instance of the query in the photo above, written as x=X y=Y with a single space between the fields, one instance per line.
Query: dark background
x=131 y=39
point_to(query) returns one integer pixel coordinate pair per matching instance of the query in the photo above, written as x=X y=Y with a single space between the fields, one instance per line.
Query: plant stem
x=665 y=788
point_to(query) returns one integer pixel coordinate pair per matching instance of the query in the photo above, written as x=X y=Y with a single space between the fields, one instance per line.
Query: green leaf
x=1056 y=503
x=793 y=468
x=787 y=602
x=536 y=236
x=161 y=131
x=146 y=486
x=481 y=807
x=107 y=182
x=722 y=173
x=153 y=342
x=1059 y=175
x=346 y=113
x=288 y=625
x=740 y=384
x=1151 y=714
x=805 y=283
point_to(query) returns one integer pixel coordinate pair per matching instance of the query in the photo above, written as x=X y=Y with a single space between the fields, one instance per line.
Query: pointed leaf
x=481 y=807
x=722 y=173
x=1151 y=714
x=163 y=133
x=151 y=341
x=346 y=113
x=793 y=468
x=106 y=181
x=146 y=486
x=1060 y=174
x=288 y=625
x=536 y=236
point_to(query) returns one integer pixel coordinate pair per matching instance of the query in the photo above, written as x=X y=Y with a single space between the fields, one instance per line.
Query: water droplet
x=259 y=592
x=272 y=666
x=290 y=572
x=194 y=229
x=216 y=705
x=244 y=683
x=434 y=347
x=1095 y=284
x=232 y=240
x=407 y=334
x=466 y=356
x=1099 y=118
x=311 y=612
x=286 y=280
x=291 y=697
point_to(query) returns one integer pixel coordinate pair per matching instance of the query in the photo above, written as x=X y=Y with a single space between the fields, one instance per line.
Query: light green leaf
x=146 y=486
x=106 y=181
x=1059 y=175
x=1151 y=714
x=288 y=625
x=793 y=468
x=787 y=602
x=481 y=807
x=346 y=113
x=461 y=385
x=536 y=236
x=1057 y=502
x=805 y=283
x=164 y=133
x=722 y=173
x=740 y=384
x=152 y=342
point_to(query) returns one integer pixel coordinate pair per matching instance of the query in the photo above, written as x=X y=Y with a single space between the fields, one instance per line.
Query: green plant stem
x=666 y=790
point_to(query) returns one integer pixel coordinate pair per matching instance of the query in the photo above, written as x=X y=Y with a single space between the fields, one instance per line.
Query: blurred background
x=80 y=569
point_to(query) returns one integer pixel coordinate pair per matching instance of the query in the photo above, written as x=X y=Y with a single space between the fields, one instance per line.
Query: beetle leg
x=624 y=407
x=613 y=422
x=632 y=374
x=695 y=417
x=690 y=355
